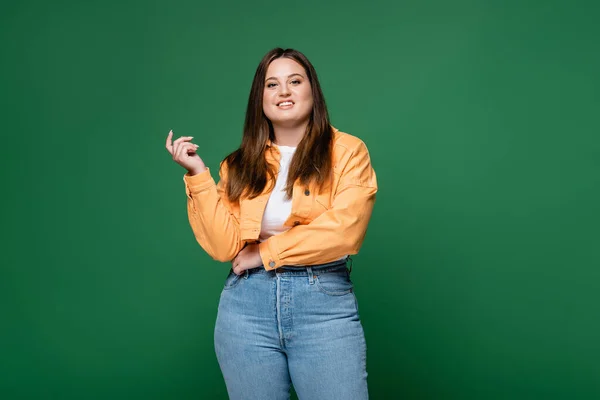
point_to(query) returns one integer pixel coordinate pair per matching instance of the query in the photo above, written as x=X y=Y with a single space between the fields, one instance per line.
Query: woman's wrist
x=196 y=171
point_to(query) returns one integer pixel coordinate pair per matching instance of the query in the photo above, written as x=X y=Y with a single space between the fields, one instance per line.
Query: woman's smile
x=285 y=105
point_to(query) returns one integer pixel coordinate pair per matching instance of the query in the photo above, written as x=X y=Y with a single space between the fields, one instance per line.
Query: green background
x=479 y=277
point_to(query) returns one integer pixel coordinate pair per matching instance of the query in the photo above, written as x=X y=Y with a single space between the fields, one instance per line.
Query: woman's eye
x=295 y=82
x=270 y=85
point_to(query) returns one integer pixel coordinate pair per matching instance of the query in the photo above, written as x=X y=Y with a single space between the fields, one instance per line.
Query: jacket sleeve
x=214 y=220
x=338 y=231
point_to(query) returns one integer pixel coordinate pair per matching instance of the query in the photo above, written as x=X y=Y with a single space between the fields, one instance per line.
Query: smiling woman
x=292 y=203
x=287 y=100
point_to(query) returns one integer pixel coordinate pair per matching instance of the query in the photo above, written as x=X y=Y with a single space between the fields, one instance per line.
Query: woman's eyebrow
x=289 y=76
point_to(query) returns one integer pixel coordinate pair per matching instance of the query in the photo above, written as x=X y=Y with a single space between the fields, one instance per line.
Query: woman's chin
x=289 y=121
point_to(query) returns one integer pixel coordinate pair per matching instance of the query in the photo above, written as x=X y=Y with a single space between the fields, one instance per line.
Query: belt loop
x=349 y=259
x=311 y=278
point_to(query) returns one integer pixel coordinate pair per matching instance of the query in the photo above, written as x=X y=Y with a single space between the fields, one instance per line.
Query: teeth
x=286 y=103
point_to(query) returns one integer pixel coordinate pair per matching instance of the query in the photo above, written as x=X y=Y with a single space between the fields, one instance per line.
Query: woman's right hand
x=184 y=154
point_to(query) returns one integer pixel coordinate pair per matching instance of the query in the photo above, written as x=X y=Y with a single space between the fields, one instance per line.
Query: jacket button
x=307 y=192
x=271 y=263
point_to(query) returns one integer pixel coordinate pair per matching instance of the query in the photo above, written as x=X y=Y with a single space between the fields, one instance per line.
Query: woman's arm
x=214 y=221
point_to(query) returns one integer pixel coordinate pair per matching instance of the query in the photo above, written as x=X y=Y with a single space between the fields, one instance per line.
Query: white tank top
x=278 y=208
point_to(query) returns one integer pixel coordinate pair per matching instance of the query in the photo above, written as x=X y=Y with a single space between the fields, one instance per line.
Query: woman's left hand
x=247 y=258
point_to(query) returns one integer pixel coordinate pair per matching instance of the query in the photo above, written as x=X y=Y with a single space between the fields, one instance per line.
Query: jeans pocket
x=232 y=280
x=336 y=283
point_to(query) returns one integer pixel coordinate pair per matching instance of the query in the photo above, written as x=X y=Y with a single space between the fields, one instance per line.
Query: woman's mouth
x=284 y=105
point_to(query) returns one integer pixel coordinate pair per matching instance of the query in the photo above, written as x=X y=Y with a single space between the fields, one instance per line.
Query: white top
x=278 y=208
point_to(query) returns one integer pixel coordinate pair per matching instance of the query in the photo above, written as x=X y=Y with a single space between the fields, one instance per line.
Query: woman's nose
x=284 y=90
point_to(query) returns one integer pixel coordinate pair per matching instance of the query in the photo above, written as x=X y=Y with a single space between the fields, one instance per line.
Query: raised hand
x=184 y=153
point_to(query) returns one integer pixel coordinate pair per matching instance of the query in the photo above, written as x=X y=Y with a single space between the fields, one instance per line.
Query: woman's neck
x=289 y=136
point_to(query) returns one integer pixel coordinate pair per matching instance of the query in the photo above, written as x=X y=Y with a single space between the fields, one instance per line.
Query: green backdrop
x=480 y=274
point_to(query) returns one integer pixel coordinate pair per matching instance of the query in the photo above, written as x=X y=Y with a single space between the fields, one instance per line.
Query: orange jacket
x=324 y=226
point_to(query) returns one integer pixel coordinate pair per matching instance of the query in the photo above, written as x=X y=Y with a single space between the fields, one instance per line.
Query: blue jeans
x=295 y=325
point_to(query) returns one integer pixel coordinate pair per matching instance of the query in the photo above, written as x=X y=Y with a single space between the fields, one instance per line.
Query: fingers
x=172 y=145
x=177 y=143
x=183 y=149
x=236 y=266
x=182 y=139
x=237 y=269
x=246 y=259
x=169 y=144
x=193 y=148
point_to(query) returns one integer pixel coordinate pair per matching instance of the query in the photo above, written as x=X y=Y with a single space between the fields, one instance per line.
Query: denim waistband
x=302 y=270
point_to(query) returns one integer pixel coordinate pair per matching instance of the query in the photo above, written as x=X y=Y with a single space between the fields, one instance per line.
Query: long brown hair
x=248 y=169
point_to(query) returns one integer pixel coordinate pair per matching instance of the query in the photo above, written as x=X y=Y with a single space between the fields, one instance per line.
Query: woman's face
x=287 y=95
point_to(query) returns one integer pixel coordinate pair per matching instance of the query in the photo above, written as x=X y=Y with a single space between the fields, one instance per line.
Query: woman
x=293 y=202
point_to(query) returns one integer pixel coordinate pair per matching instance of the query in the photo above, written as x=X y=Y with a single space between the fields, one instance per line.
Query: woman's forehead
x=283 y=68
